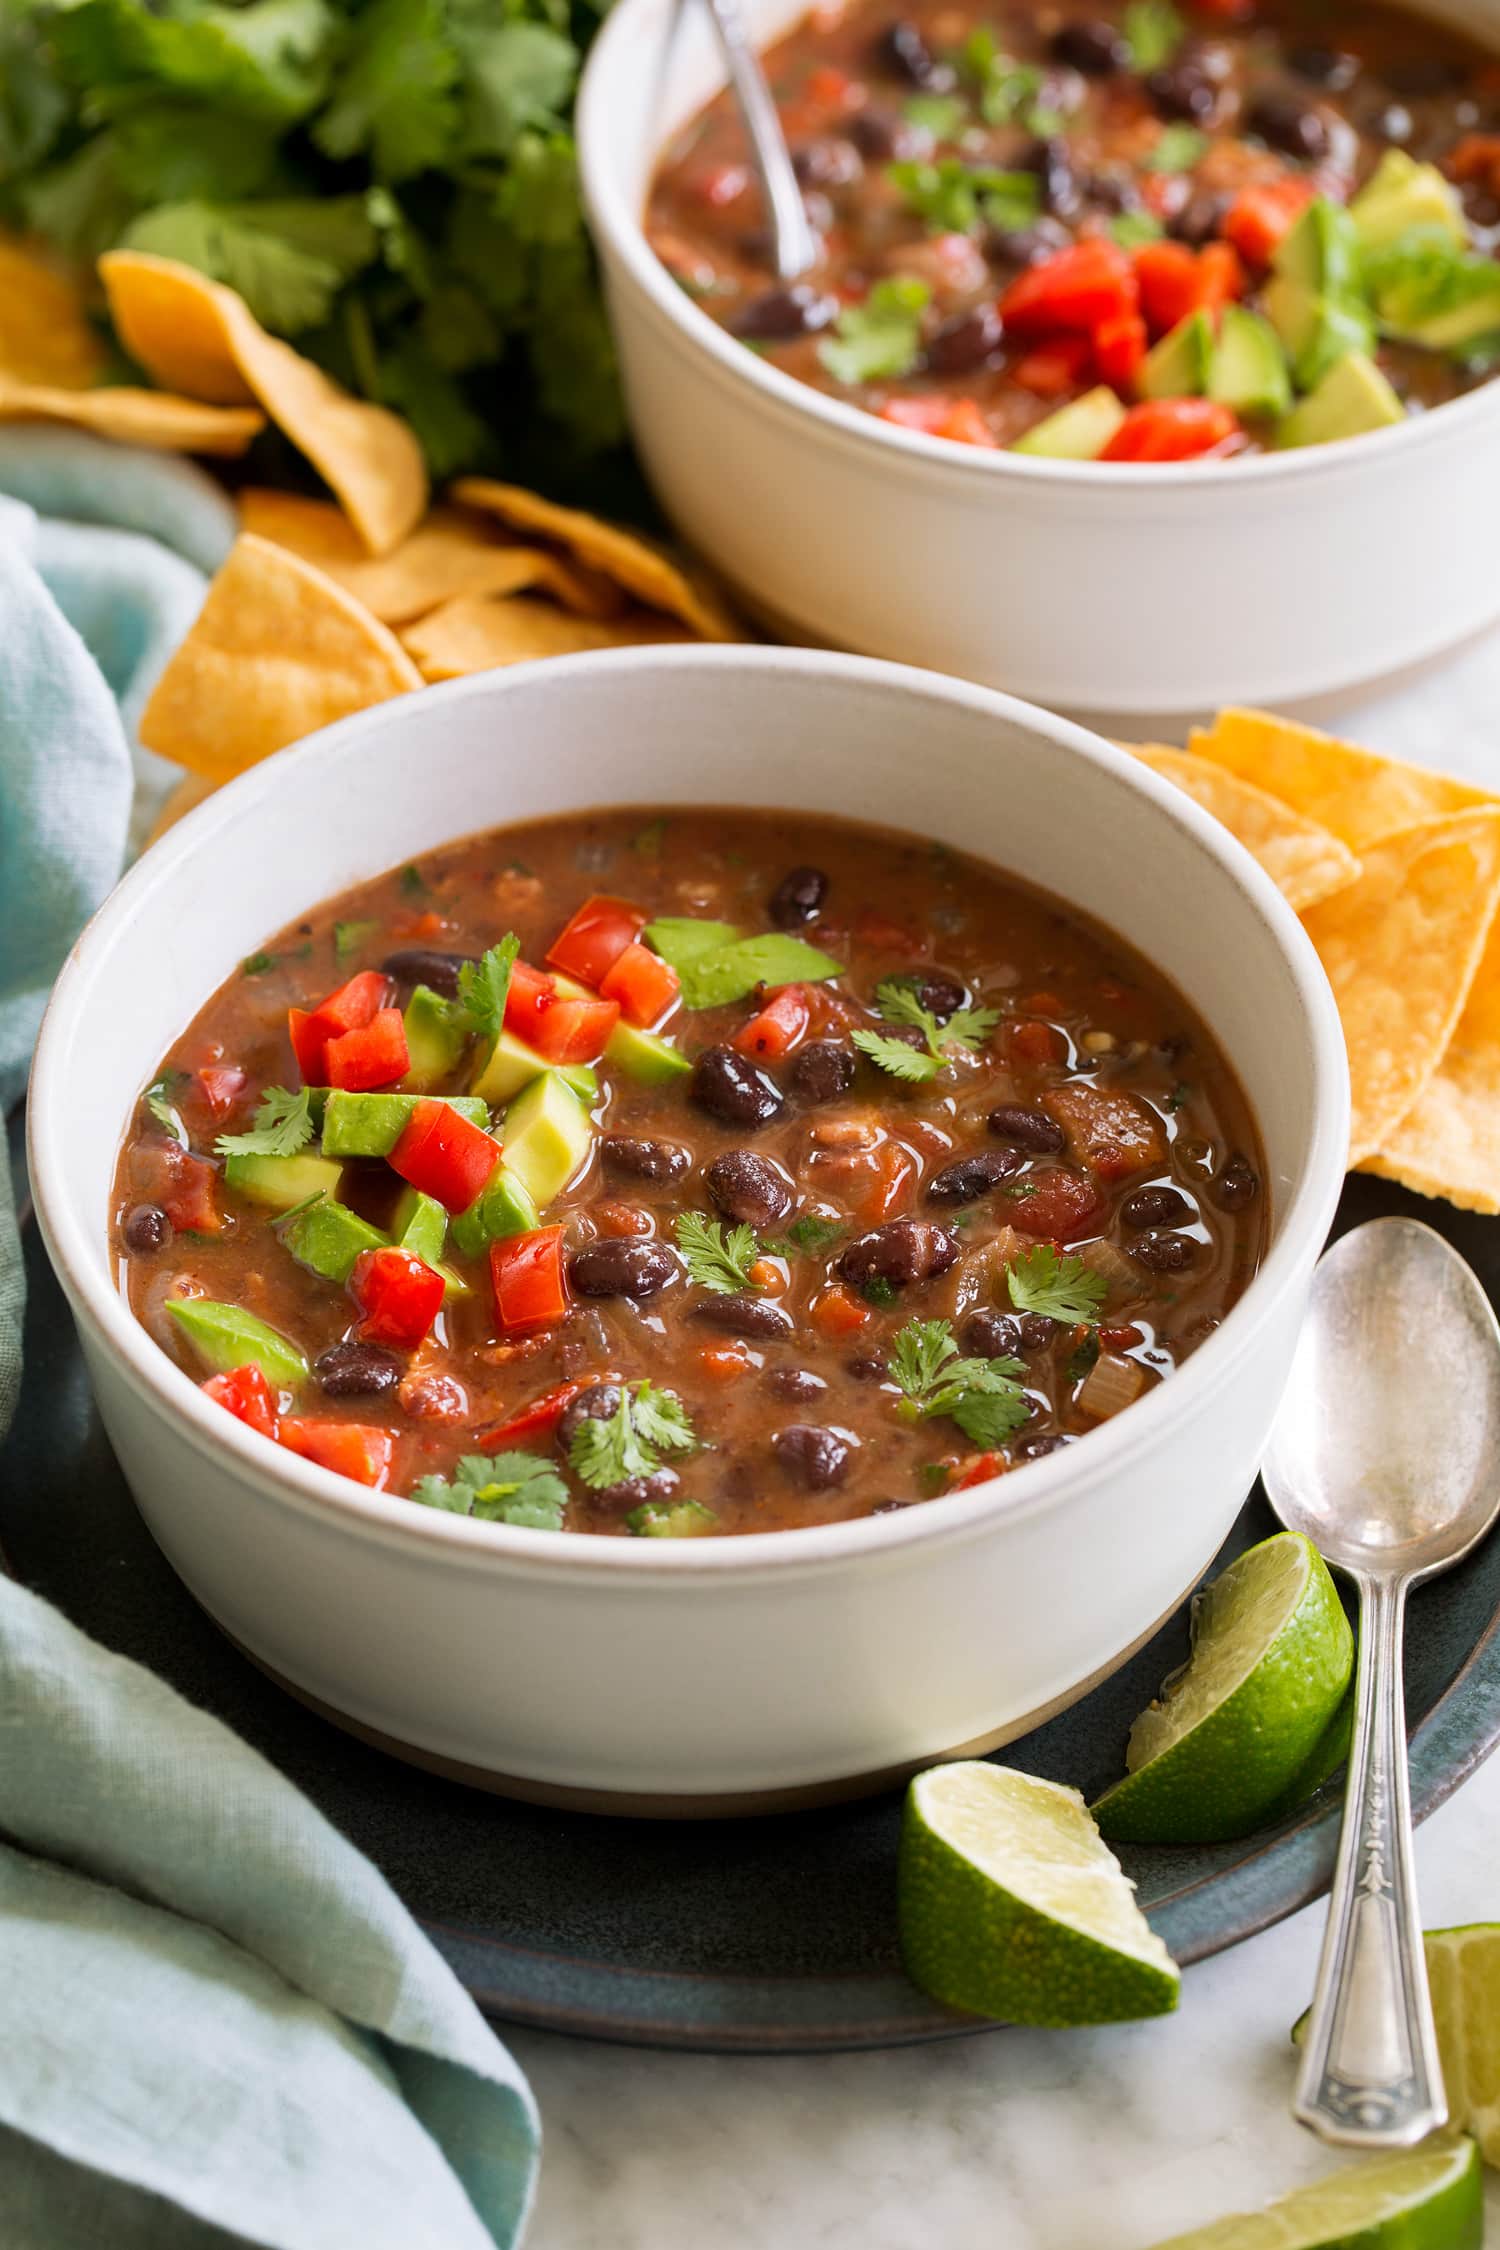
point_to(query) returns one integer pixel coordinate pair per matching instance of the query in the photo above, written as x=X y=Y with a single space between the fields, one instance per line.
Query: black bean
x=1052 y=163
x=992 y=1335
x=661 y=1487
x=356 y=1371
x=1093 y=46
x=867 y=1367
x=881 y=135
x=966 y=341
x=1236 y=1184
x=823 y=1071
x=1200 y=218
x=420 y=965
x=1111 y=191
x=941 y=995
x=901 y=1251
x=1155 y=1207
x=748 y=1188
x=798 y=897
x=1031 y=1129
x=147 y=1227
x=745 y=1315
x=623 y=1265
x=816 y=1457
x=1037 y=1448
x=1027 y=246
x=973 y=1176
x=903 y=49
x=1183 y=89
x=794 y=1382
x=800 y=310
x=1164 y=1253
x=643 y=1160
x=1037 y=1331
x=733 y=1090
x=1323 y=66
x=599 y=1403
x=1284 y=120
x=826 y=164
x=1419 y=76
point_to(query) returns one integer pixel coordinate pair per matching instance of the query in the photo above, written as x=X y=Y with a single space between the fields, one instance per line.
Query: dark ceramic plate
x=773 y=1934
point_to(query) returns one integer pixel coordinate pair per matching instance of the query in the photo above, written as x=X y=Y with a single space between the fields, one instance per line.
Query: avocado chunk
x=371 y=1124
x=327 y=1239
x=683 y=1519
x=226 y=1336
x=1320 y=252
x=503 y=1206
x=547 y=1136
x=1248 y=371
x=1352 y=398
x=1078 y=432
x=282 y=1182
x=1178 y=366
x=1316 y=331
x=435 y=1038
x=1400 y=195
x=642 y=1055
x=420 y=1225
x=1428 y=292
x=510 y=1066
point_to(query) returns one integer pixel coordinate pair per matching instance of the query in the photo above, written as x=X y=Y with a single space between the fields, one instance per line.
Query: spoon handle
x=1370 y=2075
x=793 y=247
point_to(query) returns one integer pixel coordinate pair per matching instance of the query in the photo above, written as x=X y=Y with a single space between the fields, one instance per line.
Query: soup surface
x=1239 y=224
x=815 y=1171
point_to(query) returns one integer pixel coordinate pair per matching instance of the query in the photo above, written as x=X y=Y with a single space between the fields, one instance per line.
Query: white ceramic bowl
x=708 y=1673
x=1106 y=589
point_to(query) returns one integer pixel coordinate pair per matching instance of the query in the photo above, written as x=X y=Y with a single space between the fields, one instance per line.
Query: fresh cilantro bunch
x=389 y=182
x=983 y=1396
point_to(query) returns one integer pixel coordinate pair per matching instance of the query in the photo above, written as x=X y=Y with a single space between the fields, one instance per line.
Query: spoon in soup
x=793 y=245
x=1386 y=1455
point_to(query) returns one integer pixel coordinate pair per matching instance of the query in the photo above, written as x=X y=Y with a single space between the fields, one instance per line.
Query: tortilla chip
x=194 y=335
x=190 y=791
x=277 y=651
x=45 y=334
x=1401 y=947
x=644 y=569
x=448 y=556
x=1449 y=1144
x=1303 y=860
x=135 y=417
x=1358 y=795
x=476 y=636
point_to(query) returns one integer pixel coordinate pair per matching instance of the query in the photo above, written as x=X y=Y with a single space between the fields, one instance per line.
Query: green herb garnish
x=813 y=1233
x=630 y=1443
x=158 y=1099
x=1007 y=90
x=1153 y=33
x=879 y=1291
x=282 y=1126
x=1061 y=1286
x=880 y=339
x=982 y=1396
x=514 y=1488
x=898 y=1003
x=951 y=197
x=412 y=878
x=944 y=116
x=1131 y=228
x=648 y=840
x=483 y=985
x=715 y=1259
x=1084 y=1359
x=1177 y=150
x=933 y=1477
x=1180 y=1093
x=256 y=964
x=348 y=937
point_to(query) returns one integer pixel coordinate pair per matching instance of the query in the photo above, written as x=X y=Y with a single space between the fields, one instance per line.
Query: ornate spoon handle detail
x=1370 y=2075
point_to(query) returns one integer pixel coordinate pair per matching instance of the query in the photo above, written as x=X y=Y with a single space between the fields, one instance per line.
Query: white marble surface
x=1106 y=2140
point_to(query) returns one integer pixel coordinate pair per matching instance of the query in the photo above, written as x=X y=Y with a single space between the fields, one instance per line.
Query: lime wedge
x=1011 y=1906
x=1430 y=2199
x=1233 y=1730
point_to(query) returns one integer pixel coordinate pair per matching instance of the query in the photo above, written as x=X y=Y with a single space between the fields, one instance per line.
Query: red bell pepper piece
x=1167 y=274
x=979 y=1471
x=441 y=1154
x=526 y=1271
x=958 y=419
x=1221 y=277
x=593 y=941
x=539 y=1419
x=1059 y=1206
x=1035 y=1042
x=644 y=985
x=575 y=1031
x=244 y=1393
x=1074 y=290
x=1263 y=213
x=1171 y=429
x=530 y=994
x=220 y=1085
x=399 y=1295
x=1120 y=351
x=349 y=1009
x=374 y=1055
x=782 y=1022
x=184 y=1185
x=1053 y=369
x=350 y=1449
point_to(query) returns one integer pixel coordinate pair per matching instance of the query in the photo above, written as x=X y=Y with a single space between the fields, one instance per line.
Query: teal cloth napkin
x=220 y=2024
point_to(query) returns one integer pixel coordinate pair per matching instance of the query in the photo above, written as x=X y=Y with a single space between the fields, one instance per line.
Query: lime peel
x=1431 y=2198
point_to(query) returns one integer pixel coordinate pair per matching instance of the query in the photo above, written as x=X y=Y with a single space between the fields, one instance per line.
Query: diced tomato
x=526 y=1271
x=894 y=1172
x=538 y=1419
x=959 y=420
x=354 y=1005
x=1263 y=213
x=1035 y=1042
x=883 y=935
x=1120 y=351
x=530 y=994
x=782 y=1022
x=244 y=1393
x=837 y=1312
x=724 y=1363
x=1121 y=1339
x=398 y=1294
x=221 y=1085
x=184 y=1185
x=1221 y=277
x=1167 y=273
x=1074 y=290
x=309 y=1044
x=622 y=1219
x=1059 y=1205
x=589 y=946
x=828 y=88
x=643 y=983
x=1052 y=370
x=375 y=1055
x=1171 y=429
x=350 y=1449
x=575 y=1031
x=979 y=1471
x=428 y=925
x=443 y=1155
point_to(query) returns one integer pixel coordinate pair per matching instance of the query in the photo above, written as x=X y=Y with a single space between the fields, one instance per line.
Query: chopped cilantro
x=716 y=1260
x=1177 y=150
x=648 y=840
x=1061 y=1286
x=1019 y=1191
x=880 y=339
x=1153 y=33
x=983 y=1396
x=878 y=1291
x=811 y=1232
x=513 y=1488
x=944 y=116
x=1131 y=228
x=1082 y=1361
x=1007 y=90
x=933 y=1477
x=898 y=1003
x=1180 y=1093
x=158 y=1099
x=894 y=1055
x=646 y=1424
x=483 y=985
x=256 y=964
x=282 y=1125
x=412 y=878
x=348 y=937
x=951 y=197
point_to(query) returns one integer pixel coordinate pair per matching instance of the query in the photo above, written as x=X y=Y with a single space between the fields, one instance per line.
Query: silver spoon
x=1386 y=1454
x=794 y=246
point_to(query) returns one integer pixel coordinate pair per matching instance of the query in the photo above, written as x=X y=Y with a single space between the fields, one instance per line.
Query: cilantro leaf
x=813 y=1232
x=919 y=1353
x=894 y=1055
x=630 y=1442
x=881 y=338
x=1153 y=33
x=983 y=1396
x=1061 y=1286
x=348 y=937
x=33 y=103
x=483 y=985
x=944 y=116
x=1082 y=1361
x=517 y=76
x=1177 y=150
x=1131 y=228
x=287 y=260
x=266 y=59
x=898 y=1003
x=951 y=197
x=396 y=93
x=158 y=1099
x=1007 y=90
x=716 y=1260
x=513 y=1488
x=283 y=1125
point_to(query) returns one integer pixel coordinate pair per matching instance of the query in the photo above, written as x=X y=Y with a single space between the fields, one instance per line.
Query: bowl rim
x=389 y=1518
x=618 y=231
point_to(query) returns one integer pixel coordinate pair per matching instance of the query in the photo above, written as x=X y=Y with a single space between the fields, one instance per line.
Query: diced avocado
x=420 y=1225
x=584 y=1080
x=327 y=1239
x=1353 y=397
x=1401 y=194
x=1178 y=366
x=435 y=1038
x=680 y=938
x=1446 y=311
x=282 y=1182
x=683 y=1519
x=1248 y=370
x=1078 y=432
x=511 y=1065
x=226 y=1336
x=548 y=1134
x=504 y=1206
x=371 y=1124
x=1320 y=252
x=1316 y=331
x=643 y=1055
x=569 y=988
